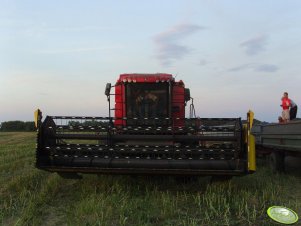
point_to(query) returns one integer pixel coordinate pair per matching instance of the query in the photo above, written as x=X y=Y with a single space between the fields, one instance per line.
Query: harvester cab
x=146 y=132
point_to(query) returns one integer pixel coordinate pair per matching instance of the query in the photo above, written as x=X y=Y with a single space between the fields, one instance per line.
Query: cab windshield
x=147 y=100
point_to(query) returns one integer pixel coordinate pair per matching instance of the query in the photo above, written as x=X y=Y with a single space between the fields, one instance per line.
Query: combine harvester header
x=147 y=134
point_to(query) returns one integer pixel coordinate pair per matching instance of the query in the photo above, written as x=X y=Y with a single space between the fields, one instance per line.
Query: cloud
x=43 y=94
x=266 y=68
x=78 y=50
x=254 y=45
x=168 y=46
x=255 y=67
x=203 y=62
x=240 y=68
x=42 y=29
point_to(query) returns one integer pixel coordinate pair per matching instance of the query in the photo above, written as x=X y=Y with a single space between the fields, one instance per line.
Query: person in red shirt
x=285 y=107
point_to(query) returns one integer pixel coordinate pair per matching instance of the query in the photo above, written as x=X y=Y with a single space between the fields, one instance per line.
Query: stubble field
x=29 y=196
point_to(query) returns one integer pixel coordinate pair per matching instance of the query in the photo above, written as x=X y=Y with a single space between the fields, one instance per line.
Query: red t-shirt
x=285 y=103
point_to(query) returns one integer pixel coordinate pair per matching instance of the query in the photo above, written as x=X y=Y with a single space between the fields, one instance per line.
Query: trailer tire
x=276 y=161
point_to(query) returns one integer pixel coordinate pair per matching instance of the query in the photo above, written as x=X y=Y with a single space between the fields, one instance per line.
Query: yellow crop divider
x=37 y=117
x=250 y=140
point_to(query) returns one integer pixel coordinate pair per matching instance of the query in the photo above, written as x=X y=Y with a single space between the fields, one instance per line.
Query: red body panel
x=176 y=100
x=119 y=103
x=178 y=103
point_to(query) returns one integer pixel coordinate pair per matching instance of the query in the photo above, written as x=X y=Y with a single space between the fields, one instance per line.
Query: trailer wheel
x=276 y=160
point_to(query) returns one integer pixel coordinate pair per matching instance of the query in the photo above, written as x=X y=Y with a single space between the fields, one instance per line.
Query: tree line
x=16 y=126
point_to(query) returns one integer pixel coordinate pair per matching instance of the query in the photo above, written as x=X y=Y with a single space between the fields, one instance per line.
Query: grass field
x=33 y=197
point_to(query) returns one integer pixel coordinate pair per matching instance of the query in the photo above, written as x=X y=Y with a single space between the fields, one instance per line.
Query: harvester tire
x=276 y=161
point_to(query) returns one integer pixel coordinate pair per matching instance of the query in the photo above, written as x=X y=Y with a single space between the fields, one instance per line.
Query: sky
x=233 y=55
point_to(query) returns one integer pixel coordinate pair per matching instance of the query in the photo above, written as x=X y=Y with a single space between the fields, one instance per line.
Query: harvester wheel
x=276 y=160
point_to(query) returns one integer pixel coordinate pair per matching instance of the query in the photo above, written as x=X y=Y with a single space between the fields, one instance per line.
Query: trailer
x=278 y=140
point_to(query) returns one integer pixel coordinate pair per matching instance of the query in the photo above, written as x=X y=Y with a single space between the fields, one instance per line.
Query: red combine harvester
x=148 y=134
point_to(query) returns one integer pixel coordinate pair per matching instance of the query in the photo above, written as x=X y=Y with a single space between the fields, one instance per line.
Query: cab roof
x=158 y=77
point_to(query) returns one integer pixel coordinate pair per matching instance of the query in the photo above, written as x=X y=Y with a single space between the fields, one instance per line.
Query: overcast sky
x=233 y=55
